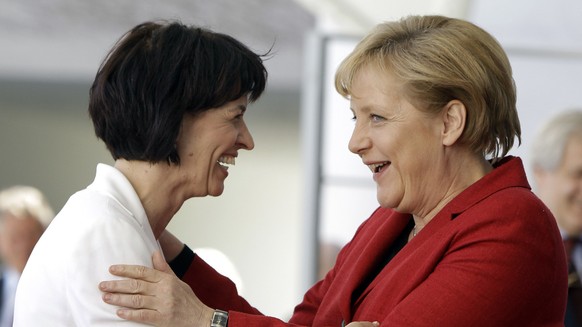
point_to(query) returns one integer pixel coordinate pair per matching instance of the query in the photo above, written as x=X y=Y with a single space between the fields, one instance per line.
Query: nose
x=359 y=142
x=245 y=139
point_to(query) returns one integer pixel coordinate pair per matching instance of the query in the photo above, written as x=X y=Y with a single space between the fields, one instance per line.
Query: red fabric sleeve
x=219 y=292
x=214 y=289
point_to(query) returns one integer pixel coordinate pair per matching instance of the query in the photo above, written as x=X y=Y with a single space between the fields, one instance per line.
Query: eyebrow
x=240 y=107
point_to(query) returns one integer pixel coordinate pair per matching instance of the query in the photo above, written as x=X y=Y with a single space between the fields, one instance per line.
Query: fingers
x=137 y=272
x=133 y=301
x=152 y=275
x=141 y=280
x=129 y=286
x=148 y=295
x=150 y=317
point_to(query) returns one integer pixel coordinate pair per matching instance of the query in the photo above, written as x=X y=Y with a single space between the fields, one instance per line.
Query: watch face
x=219 y=319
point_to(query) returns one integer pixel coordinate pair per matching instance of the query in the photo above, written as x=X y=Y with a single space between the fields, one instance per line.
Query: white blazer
x=101 y=225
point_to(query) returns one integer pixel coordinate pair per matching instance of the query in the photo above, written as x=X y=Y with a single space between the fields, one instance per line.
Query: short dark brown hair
x=158 y=72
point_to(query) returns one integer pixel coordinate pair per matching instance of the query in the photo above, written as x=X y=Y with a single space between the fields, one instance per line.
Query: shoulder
x=93 y=226
x=515 y=206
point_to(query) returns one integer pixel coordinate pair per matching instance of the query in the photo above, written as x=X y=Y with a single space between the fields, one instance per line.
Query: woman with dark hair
x=459 y=239
x=168 y=102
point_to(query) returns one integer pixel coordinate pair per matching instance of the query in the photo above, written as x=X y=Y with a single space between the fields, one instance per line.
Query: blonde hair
x=26 y=201
x=439 y=59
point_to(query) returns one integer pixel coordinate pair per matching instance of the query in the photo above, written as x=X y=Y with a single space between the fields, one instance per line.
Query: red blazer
x=492 y=257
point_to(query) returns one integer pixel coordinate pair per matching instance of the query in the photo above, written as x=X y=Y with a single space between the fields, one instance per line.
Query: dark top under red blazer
x=492 y=257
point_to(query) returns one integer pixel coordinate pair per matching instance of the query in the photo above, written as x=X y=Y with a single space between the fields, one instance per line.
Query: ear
x=454 y=119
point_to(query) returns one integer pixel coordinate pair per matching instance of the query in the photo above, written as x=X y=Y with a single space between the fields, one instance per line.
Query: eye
x=376 y=118
x=239 y=115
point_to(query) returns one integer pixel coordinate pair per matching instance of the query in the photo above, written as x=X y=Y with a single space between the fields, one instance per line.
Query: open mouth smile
x=225 y=160
x=377 y=167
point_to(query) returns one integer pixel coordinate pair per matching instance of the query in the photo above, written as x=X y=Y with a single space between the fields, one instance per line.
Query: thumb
x=160 y=263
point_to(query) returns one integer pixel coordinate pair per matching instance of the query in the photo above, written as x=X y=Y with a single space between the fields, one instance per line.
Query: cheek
x=193 y=156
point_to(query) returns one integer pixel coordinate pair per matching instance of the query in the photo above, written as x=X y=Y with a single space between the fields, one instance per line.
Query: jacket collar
x=508 y=173
x=112 y=182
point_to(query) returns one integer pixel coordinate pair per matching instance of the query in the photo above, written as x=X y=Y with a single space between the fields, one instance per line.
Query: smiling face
x=208 y=142
x=401 y=145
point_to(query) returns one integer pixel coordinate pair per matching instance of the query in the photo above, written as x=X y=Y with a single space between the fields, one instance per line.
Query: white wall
x=542 y=39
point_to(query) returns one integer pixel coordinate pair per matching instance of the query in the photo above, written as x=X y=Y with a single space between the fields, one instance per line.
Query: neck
x=156 y=190
x=462 y=173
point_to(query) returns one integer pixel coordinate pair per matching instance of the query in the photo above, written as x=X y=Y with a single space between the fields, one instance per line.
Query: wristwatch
x=219 y=319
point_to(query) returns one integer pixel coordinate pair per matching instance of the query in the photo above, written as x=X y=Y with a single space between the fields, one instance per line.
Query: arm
x=141 y=300
x=215 y=289
x=179 y=305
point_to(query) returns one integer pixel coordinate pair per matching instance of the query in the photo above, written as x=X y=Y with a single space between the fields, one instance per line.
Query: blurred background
x=299 y=187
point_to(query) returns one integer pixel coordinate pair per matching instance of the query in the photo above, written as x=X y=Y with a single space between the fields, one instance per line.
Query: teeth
x=376 y=167
x=228 y=160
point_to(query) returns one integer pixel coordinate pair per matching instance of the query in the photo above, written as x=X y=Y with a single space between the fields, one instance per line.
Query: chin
x=388 y=202
x=217 y=192
x=385 y=204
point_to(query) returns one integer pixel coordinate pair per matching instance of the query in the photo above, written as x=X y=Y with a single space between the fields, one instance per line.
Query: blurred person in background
x=557 y=169
x=24 y=215
x=459 y=239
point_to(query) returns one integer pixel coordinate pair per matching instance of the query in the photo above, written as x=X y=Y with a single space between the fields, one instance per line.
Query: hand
x=154 y=296
x=363 y=324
